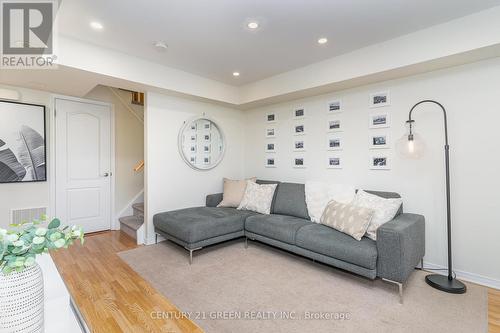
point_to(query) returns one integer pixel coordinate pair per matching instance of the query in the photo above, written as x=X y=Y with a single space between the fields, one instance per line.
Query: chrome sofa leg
x=246 y=242
x=156 y=238
x=191 y=253
x=422 y=264
x=400 y=289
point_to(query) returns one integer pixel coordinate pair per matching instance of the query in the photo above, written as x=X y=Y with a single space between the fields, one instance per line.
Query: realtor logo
x=27 y=34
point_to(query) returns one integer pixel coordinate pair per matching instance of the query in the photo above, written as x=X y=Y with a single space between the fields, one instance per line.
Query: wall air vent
x=26 y=214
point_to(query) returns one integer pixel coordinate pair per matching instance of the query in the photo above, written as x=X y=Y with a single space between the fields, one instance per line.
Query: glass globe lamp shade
x=411 y=145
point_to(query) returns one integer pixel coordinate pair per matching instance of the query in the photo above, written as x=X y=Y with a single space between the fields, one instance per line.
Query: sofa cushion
x=265 y=182
x=278 y=227
x=192 y=225
x=330 y=242
x=291 y=200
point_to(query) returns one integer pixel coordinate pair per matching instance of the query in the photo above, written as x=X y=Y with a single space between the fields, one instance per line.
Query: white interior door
x=83 y=164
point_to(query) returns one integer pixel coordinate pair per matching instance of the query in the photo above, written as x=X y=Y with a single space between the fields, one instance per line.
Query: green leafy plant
x=20 y=245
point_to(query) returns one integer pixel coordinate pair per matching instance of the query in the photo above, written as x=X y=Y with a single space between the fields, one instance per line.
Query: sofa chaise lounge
x=400 y=244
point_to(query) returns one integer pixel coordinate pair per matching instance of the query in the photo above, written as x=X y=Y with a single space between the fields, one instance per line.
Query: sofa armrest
x=213 y=200
x=400 y=246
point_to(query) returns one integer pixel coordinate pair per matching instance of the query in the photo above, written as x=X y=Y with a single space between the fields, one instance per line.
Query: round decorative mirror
x=201 y=143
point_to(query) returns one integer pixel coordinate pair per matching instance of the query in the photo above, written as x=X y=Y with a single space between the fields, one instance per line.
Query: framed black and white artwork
x=334 y=106
x=334 y=162
x=380 y=162
x=379 y=99
x=379 y=141
x=22 y=143
x=270 y=162
x=379 y=120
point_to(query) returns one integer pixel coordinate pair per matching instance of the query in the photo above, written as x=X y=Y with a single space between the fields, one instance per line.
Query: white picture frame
x=271 y=117
x=380 y=140
x=380 y=99
x=270 y=162
x=379 y=120
x=334 y=125
x=334 y=143
x=380 y=162
x=299 y=129
x=299 y=113
x=299 y=145
x=334 y=106
x=270 y=132
x=299 y=162
x=334 y=162
x=270 y=147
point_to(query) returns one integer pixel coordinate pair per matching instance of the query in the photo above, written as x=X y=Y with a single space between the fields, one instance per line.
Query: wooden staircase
x=131 y=224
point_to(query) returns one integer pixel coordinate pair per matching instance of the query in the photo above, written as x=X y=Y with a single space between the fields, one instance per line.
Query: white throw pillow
x=258 y=197
x=319 y=194
x=385 y=210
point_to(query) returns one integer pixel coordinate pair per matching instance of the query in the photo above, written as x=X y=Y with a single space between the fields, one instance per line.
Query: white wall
x=25 y=195
x=470 y=94
x=170 y=182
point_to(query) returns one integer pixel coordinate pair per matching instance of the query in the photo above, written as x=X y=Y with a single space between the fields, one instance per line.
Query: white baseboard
x=466 y=276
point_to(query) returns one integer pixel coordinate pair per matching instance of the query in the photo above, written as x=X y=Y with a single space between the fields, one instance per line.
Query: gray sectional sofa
x=399 y=247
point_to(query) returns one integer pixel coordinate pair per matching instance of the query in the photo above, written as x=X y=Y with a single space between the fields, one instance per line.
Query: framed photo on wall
x=379 y=141
x=270 y=132
x=334 y=162
x=270 y=147
x=379 y=120
x=299 y=145
x=334 y=125
x=299 y=129
x=270 y=162
x=380 y=99
x=299 y=162
x=271 y=117
x=334 y=106
x=380 y=162
x=22 y=142
x=299 y=113
x=334 y=143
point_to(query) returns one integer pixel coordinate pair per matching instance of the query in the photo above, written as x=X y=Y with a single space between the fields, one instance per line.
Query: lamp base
x=442 y=283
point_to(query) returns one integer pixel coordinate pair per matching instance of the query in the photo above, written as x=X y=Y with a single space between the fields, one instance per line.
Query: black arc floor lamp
x=411 y=145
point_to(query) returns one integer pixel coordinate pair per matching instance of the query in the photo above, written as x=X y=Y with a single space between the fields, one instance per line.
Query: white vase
x=21 y=301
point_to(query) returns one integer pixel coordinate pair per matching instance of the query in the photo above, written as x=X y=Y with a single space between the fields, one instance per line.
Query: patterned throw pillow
x=319 y=194
x=385 y=210
x=347 y=218
x=258 y=197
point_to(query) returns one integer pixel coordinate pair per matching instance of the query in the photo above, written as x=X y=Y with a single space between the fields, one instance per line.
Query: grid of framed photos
x=379 y=139
x=299 y=128
x=202 y=145
x=270 y=144
x=334 y=138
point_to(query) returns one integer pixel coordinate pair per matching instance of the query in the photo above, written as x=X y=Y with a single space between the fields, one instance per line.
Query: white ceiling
x=210 y=38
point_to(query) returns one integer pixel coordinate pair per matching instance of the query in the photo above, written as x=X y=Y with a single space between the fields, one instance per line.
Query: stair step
x=133 y=222
x=139 y=207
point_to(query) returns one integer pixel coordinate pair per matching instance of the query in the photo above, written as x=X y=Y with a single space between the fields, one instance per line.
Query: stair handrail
x=139 y=166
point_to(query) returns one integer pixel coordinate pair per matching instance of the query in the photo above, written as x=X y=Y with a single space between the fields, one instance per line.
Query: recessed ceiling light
x=253 y=25
x=161 y=46
x=96 y=25
x=322 y=40
x=236 y=73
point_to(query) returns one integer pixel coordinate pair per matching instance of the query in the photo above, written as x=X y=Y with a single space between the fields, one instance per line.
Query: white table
x=60 y=315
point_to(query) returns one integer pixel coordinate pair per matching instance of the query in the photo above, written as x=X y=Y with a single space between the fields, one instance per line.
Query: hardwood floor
x=494 y=310
x=109 y=294
x=114 y=298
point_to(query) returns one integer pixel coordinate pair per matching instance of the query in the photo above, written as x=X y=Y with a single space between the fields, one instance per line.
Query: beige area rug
x=263 y=289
